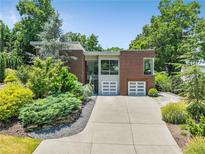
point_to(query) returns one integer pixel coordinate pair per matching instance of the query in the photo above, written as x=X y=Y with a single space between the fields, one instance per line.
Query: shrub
x=10 y=76
x=163 y=82
x=196 y=110
x=196 y=129
x=12 y=98
x=195 y=146
x=49 y=110
x=47 y=78
x=87 y=91
x=153 y=92
x=23 y=73
x=175 y=113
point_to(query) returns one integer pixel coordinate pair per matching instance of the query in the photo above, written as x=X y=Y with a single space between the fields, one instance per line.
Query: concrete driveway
x=118 y=125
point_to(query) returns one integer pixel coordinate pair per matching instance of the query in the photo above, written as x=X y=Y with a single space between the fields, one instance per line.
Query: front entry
x=92 y=74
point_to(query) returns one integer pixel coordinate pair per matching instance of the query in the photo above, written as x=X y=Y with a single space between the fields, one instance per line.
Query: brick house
x=127 y=72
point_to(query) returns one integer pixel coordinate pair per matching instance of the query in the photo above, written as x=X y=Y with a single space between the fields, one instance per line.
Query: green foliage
x=195 y=146
x=175 y=113
x=34 y=13
x=23 y=73
x=196 y=110
x=47 y=77
x=5 y=35
x=10 y=76
x=153 y=92
x=90 y=43
x=163 y=81
x=113 y=49
x=12 y=98
x=44 y=77
x=49 y=110
x=8 y=60
x=167 y=31
x=50 y=37
x=196 y=129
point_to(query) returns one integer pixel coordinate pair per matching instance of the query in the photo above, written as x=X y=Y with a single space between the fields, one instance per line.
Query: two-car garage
x=135 y=88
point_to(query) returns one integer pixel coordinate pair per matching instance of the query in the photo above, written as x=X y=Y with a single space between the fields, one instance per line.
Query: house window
x=148 y=66
x=109 y=67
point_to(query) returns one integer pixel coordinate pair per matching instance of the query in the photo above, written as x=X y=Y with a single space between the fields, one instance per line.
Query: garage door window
x=136 y=88
x=109 y=67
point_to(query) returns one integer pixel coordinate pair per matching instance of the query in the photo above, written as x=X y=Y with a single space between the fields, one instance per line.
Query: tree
x=194 y=79
x=167 y=31
x=92 y=43
x=143 y=40
x=50 y=36
x=34 y=13
x=114 y=49
x=89 y=43
x=74 y=37
x=5 y=35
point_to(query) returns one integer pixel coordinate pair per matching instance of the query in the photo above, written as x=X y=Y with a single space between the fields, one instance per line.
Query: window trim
x=109 y=59
x=152 y=65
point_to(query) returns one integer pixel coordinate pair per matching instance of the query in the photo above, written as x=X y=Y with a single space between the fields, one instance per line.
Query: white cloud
x=10 y=17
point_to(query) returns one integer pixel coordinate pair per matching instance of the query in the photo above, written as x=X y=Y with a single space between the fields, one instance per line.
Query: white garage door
x=109 y=87
x=136 y=88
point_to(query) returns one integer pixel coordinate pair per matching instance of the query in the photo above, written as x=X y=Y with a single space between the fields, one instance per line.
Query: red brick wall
x=131 y=69
x=77 y=66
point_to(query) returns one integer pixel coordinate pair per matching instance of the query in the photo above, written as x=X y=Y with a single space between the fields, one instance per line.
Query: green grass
x=17 y=145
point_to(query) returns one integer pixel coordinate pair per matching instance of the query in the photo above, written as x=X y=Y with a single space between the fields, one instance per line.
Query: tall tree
x=50 y=37
x=34 y=13
x=5 y=35
x=167 y=31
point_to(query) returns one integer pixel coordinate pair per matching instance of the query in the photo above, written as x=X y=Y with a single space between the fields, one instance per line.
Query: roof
x=101 y=53
x=71 y=45
x=78 y=46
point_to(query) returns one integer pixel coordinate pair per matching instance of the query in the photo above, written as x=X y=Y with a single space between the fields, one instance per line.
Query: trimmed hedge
x=49 y=110
x=175 y=113
x=12 y=98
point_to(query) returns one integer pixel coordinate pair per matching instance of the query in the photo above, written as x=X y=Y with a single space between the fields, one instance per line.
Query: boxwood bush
x=12 y=98
x=49 y=110
x=195 y=146
x=175 y=113
x=153 y=92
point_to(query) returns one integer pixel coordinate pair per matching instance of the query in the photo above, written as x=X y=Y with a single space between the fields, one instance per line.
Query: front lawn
x=17 y=145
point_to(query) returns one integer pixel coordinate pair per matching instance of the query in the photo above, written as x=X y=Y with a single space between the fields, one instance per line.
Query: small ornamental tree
x=193 y=87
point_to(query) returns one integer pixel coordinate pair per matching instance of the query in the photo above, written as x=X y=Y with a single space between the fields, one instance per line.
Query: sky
x=115 y=22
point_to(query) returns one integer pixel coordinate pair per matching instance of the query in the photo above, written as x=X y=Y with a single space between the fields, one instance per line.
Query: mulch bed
x=181 y=138
x=13 y=127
